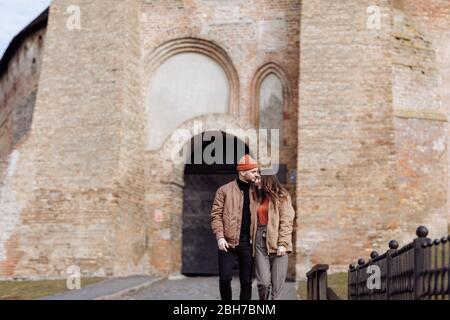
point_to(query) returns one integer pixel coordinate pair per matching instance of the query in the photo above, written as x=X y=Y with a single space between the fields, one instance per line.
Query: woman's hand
x=281 y=251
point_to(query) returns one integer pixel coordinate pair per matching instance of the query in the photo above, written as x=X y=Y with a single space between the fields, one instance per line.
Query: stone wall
x=420 y=131
x=432 y=19
x=372 y=130
x=18 y=89
x=74 y=195
x=346 y=152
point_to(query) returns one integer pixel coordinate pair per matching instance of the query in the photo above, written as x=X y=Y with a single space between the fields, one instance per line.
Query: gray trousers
x=270 y=270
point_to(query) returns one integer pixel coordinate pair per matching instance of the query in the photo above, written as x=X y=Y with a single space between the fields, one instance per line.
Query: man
x=231 y=212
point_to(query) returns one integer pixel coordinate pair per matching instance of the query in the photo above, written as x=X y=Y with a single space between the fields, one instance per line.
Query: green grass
x=337 y=282
x=28 y=290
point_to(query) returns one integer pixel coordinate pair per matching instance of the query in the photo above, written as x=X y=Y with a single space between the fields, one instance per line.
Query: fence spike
x=422 y=232
x=393 y=245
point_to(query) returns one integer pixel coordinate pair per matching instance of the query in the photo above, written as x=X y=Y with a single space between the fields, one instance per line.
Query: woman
x=271 y=231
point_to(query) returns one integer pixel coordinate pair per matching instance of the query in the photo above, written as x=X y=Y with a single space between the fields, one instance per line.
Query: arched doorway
x=201 y=180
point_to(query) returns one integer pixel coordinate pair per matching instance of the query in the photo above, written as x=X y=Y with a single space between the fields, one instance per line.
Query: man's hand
x=222 y=244
x=281 y=251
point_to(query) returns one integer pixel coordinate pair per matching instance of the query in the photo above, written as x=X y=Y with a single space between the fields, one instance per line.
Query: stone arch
x=164 y=191
x=196 y=45
x=210 y=122
x=255 y=86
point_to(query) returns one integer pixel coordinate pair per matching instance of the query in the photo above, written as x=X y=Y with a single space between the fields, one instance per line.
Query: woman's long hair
x=272 y=188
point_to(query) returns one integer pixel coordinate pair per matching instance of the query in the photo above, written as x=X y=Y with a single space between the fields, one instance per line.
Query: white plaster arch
x=174 y=48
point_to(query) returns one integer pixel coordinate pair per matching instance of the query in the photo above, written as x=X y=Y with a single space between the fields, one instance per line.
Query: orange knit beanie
x=247 y=163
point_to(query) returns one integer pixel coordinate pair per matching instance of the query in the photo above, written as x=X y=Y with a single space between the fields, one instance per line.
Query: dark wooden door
x=199 y=254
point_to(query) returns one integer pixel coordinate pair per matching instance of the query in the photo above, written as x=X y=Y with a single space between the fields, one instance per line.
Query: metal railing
x=419 y=270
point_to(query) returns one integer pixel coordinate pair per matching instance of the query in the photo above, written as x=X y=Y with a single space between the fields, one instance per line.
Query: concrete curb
x=122 y=293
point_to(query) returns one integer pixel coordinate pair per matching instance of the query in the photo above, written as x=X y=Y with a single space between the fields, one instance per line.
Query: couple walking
x=252 y=218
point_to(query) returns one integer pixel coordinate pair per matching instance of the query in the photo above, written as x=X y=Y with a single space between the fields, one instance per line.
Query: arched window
x=269 y=99
x=271 y=102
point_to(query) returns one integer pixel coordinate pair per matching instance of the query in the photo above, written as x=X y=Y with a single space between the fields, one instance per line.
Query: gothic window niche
x=269 y=100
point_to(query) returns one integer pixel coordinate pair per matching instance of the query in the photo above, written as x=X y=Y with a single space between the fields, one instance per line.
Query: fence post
x=393 y=246
x=349 y=281
x=317 y=282
x=361 y=263
x=373 y=255
x=420 y=261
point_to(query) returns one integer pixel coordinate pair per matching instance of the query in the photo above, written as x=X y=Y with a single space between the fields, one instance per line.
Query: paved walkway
x=110 y=288
x=152 y=288
x=198 y=288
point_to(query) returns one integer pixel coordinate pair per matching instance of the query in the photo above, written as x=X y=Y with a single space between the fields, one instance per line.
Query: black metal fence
x=419 y=270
